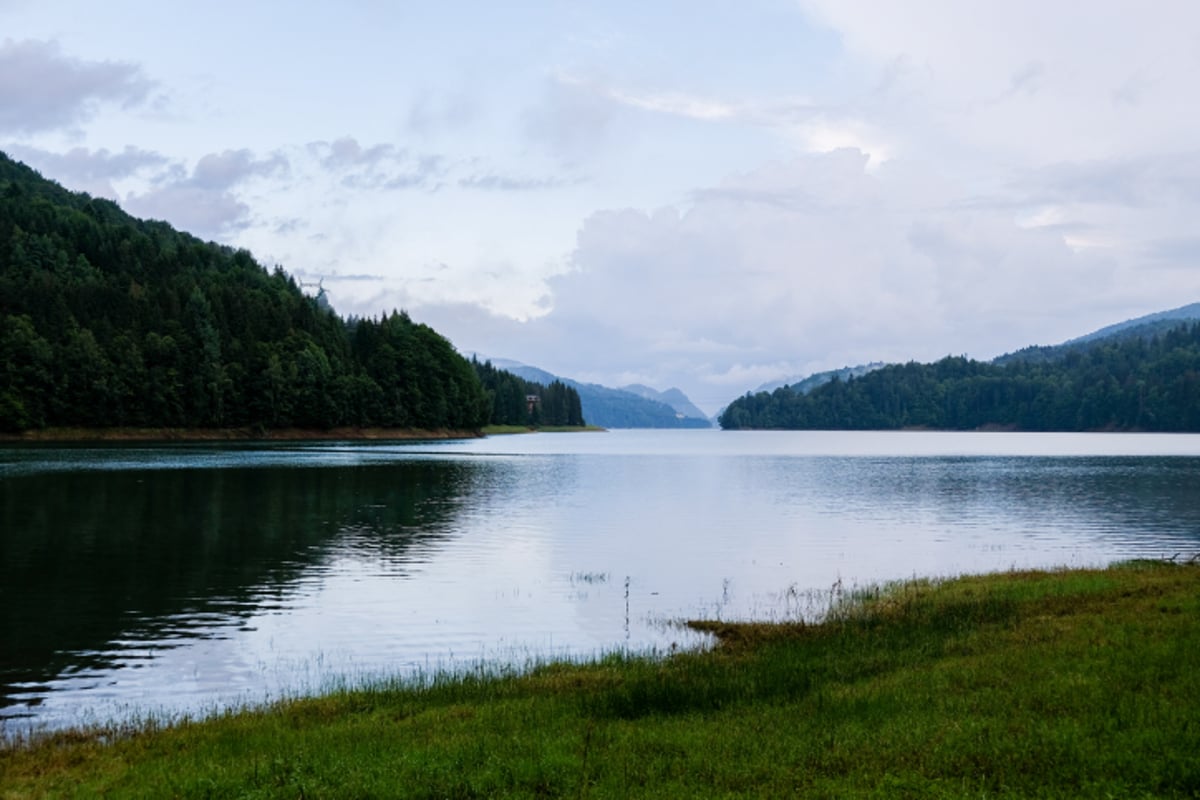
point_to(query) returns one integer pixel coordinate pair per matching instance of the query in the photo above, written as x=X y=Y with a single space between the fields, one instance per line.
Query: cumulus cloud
x=814 y=263
x=199 y=211
x=205 y=201
x=223 y=171
x=1137 y=181
x=41 y=89
x=346 y=153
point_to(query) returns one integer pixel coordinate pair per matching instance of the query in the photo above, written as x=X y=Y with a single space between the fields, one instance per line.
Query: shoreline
x=1059 y=682
x=247 y=434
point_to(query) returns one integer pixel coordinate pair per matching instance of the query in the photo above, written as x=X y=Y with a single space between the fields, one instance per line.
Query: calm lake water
x=186 y=578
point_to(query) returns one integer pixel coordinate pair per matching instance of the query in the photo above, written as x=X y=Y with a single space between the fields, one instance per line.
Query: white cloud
x=205 y=202
x=199 y=211
x=380 y=166
x=1027 y=80
x=823 y=135
x=811 y=264
x=673 y=103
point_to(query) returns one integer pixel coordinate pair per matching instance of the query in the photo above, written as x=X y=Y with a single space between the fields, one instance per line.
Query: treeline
x=1132 y=384
x=107 y=320
x=516 y=401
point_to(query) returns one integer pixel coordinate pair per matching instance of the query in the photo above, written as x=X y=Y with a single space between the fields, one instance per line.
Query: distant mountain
x=1165 y=320
x=804 y=385
x=1145 y=328
x=618 y=408
x=675 y=398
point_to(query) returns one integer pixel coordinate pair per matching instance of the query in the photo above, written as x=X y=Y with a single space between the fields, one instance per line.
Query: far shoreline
x=79 y=435
x=246 y=434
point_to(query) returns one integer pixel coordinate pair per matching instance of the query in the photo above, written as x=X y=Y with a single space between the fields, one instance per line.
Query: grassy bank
x=504 y=430
x=1060 y=684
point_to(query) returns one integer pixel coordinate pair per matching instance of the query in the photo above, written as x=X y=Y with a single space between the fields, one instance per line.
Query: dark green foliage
x=556 y=404
x=107 y=320
x=1127 y=384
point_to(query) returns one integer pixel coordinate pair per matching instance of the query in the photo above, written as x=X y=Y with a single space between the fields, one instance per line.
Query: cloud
x=505 y=183
x=1181 y=251
x=380 y=166
x=43 y=90
x=813 y=263
x=1023 y=82
x=204 y=202
x=346 y=154
x=576 y=113
x=223 y=171
x=1137 y=181
x=335 y=277
x=198 y=211
x=91 y=171
x=674 y=103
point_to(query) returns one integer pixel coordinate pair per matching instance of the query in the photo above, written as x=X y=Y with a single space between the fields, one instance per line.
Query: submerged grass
x=1080 y=683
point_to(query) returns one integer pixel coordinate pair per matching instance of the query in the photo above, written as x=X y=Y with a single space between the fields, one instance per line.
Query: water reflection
x=102 y=568
x=189 y=577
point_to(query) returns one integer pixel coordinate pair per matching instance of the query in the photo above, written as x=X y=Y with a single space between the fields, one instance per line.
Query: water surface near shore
x=184 y=577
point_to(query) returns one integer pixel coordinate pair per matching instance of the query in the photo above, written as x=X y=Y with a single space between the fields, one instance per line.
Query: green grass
x=1033 y=684
x=503 y=430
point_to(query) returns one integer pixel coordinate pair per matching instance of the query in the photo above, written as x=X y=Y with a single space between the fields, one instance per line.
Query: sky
x=681 y=193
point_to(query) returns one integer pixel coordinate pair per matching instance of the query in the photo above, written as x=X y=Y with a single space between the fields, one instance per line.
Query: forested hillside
x=557 y=404
x=107 y=320
x=1124 y=383
x=616 y=408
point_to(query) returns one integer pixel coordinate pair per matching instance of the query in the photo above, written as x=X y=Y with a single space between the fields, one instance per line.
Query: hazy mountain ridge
x=805 y=384
x=1145 y=328
x=673 y=397
x=618 y=408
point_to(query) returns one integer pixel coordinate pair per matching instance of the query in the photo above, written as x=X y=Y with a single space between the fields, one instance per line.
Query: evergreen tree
x=1128 y=384
x=108 y=320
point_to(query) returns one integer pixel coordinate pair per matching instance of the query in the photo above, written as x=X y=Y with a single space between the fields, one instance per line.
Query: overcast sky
x=707 y=195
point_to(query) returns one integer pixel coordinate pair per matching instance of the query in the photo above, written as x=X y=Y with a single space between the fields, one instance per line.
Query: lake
x=184 y=578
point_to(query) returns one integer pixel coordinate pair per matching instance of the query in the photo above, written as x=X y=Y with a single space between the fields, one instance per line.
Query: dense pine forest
x=556 y=405
x=111 y=321
x=1131 y=382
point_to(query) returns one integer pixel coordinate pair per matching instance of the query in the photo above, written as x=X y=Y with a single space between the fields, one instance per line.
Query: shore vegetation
x=1079 y=683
